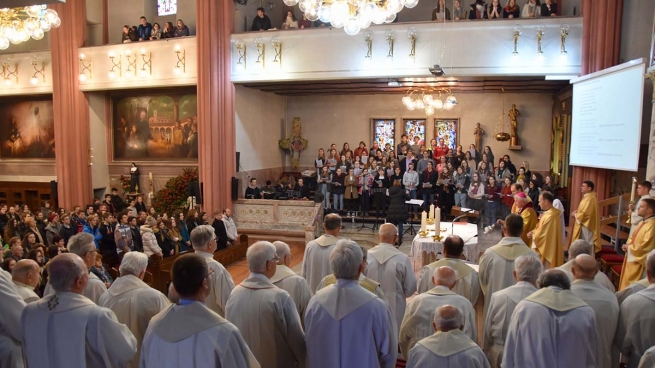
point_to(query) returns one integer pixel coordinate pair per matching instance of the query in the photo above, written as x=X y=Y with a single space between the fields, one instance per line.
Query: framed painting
x=27 y=130
x=155 y=127
x=384 y=131
x=448 y=129
x=414 y=127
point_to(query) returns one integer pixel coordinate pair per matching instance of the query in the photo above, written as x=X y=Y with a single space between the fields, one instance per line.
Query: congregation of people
x=146 y=31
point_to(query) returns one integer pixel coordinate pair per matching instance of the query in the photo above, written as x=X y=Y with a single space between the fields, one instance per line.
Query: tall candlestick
x=431 y=213
x=424 y=221
x=634 y=189
x=437 y=221
x=150 y=175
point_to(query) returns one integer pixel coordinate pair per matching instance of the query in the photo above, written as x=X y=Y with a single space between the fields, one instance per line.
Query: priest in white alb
x=11 y=336
x=132 y=300
x=448 y=347
x=84 y=246
x=468 y=284
x=552 y=328
x=66 y=329
x=346 y=325
x=265 y=314
x=288 y=280
x=503 y=302
x=577 y=248
x=26 y=276
x=416 y=323
x=497 y=263
x=648 y=359
x=636 y=329
x=190 y=335
x=633 y=288
x=393 y=270
x=316 y=262
x=203 y=240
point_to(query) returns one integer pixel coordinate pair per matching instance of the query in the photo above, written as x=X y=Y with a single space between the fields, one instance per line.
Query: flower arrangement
x=176 y=191
x=125 y=183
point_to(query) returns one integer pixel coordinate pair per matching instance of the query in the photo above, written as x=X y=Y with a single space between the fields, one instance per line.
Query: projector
x=437 y=71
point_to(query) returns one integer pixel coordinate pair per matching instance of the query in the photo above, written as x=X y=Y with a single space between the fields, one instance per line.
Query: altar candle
x=431 y=214
x=634 y=189
x=437 y=221
x=150 y=175
x=424 y=221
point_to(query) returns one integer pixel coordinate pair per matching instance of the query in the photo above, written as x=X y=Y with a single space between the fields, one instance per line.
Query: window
x=166 y=7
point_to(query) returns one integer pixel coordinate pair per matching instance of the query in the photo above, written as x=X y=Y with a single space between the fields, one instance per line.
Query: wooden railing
x=618 y=200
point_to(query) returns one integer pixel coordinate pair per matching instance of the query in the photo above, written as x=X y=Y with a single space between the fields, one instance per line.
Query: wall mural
x=155 y=127
x=27 y=130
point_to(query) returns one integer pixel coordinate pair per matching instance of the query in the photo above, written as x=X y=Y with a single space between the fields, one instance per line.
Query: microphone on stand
x=452 y=228
x=474 y=236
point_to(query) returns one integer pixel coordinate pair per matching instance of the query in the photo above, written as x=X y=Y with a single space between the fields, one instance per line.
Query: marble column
x=216 y=123
x=70 y=106
x=601 y=44
x=650 y=166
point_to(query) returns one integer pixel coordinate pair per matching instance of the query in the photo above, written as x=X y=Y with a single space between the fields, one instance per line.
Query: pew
x=159 y=270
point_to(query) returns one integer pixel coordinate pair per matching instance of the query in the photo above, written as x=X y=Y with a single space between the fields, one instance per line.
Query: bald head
x=26 y=271
x=447 y=318
x=444 y=276
x=68 y=273
x=388 y=233
x=584 y=267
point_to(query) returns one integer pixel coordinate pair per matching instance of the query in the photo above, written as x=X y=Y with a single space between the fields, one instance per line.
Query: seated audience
x=156 y=33
x=261 y=21
x=168 y=32
x=495 y=10
x=145 y=29
x=230 y=227
x=440 y=13
x=304 y=22
x=301 y=191
x=532 y=9
x=252 y=192
x=511 y=10
x=478 y=10
x=182 y=30
x=549 y=9
x=290 y=21
x=459 y=13
x=125 y=36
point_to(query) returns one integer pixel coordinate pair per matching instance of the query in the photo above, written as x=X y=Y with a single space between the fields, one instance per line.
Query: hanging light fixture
x=18 y=25
x=502 y=136
x=423 y=99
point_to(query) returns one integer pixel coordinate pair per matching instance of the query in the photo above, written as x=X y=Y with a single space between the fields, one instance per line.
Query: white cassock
x=11 y=308
x=94 y=289
x=316 y=262
x=26 y=292
x=601 y=278
x=497 y=266
x=452 y=349
x=606 y=307
x=636 y=329
x=347 y=326
x=193 y=336
x=633 y=288
x=134 y=304
x=417 y=322
x=558 y=205
x=268 y=321
x=468 y=283
x=289 y=281
x=648 y=359
x=393 y=270
x=69 y=330
x=552 y=328
x=365 y=282
x=220 y=282
x=496 y=322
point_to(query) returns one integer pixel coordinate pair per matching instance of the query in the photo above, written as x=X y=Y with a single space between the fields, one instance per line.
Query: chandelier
x=20 y=24
x=502 y=136
x=352 y=15
x=422 y=98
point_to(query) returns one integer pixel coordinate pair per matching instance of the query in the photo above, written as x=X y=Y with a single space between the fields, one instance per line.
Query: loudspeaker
x=238 y=157
x=54 y=190
x=194 y=191
x=235 y=188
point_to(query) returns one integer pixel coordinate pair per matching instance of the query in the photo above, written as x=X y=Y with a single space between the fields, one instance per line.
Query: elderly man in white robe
x=67 y=329
x=11 y=336
x=266 y=315
x=502 y=305
x=347 y=326
x=286 y=279
x=84 y=246
x=468 y=284
x=497 y=263
x=203 y=240
x=633 y=288
x=190 y=335
x=577 y=248
x=636 y=329
x=416 y=324
x=449 y=347
x=316 y=262
x=552 y=328
x=26 y=276
x=393 y=270
x=648 y=359
x=134 y=302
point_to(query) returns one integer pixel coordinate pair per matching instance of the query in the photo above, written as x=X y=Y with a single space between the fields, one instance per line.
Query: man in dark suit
x=301 y=190
x=219 y=230
x=404 y=163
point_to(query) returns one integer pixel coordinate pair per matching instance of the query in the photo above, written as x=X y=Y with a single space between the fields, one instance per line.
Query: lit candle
x=634 y=189
x=150 y=175
x=437 y=221
x=424 y=221
x=431 y=214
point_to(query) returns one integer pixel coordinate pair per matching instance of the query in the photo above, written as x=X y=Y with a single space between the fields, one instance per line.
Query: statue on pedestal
x=134 y=178
x=513 y=116
x=295 y=143
x=478 y=132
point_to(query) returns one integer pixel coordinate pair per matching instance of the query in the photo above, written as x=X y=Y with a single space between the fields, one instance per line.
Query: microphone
x=452 y=228
x=474 y=236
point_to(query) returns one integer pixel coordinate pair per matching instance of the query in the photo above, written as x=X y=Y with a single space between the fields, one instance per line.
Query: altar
x=428 y=248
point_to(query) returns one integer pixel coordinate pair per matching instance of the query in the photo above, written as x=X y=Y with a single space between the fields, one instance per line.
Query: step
x=610 y=232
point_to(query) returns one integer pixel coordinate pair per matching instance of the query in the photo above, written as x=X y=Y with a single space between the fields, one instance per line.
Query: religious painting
x=384 y=131
x=166 y=7
x=155 y=127
x=414 y=127
x=27 y=130
x=448 y=129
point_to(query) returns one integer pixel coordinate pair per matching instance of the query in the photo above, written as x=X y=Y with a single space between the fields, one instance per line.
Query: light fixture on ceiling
x=423 y=99
x=180 y=66
x=34 y=62
x=353 y=16
x=18 y=25
x=502 y=136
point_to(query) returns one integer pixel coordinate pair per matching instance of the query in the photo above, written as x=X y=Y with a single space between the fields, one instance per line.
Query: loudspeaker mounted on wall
x=235 y=188
x=194 y=191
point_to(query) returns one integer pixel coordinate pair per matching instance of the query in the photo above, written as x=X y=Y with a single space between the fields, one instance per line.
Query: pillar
x=650 y=168
x=70 y=106
x=216 y=123
x=601 y=44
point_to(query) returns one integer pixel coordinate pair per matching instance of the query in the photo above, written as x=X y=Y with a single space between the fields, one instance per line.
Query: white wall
x=99 y=141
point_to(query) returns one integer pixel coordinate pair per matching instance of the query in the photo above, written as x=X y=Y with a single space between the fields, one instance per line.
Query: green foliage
x=175 y=193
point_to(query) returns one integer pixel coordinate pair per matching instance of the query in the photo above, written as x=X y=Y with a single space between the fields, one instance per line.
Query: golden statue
x=295 y=143
x=513 y=116
x=478 y=132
